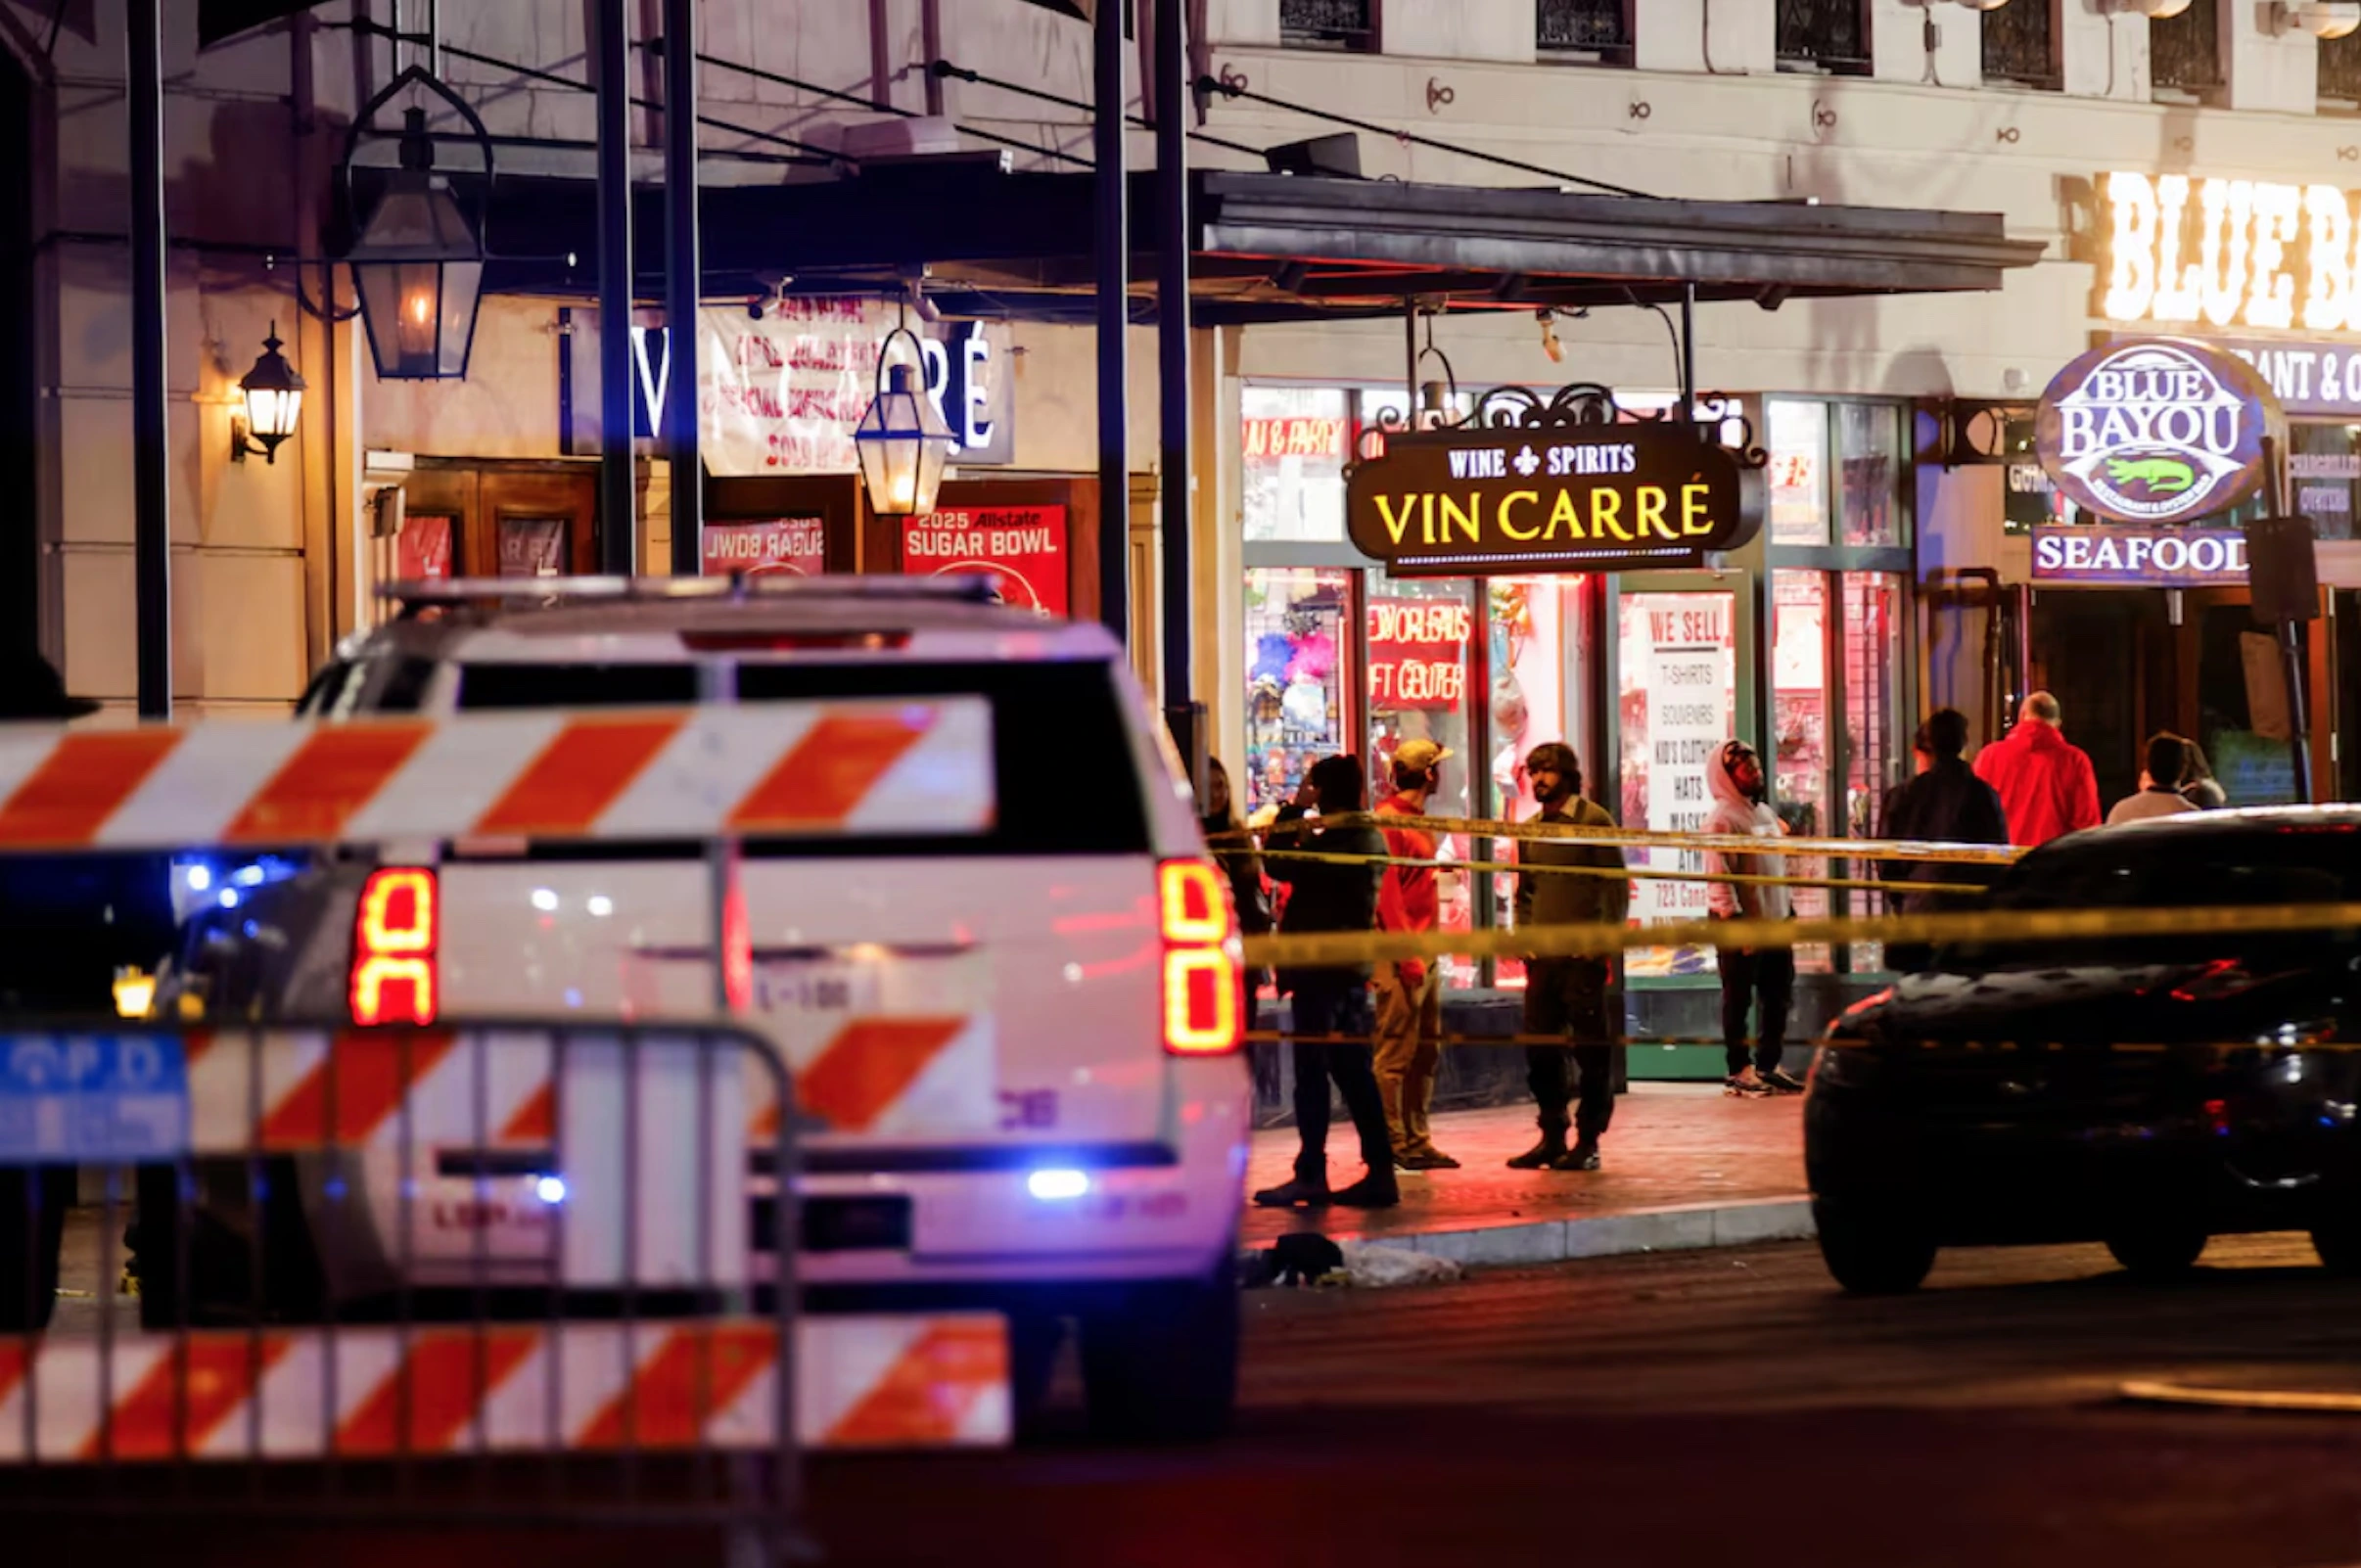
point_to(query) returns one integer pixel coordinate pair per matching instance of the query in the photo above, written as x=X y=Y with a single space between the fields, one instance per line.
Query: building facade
x=1897 y=569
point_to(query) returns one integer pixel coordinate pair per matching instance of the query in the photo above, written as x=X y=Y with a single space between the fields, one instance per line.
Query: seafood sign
x=2155 y=430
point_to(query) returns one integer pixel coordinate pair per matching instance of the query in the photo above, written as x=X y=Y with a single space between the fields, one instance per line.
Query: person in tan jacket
x=1569 y=995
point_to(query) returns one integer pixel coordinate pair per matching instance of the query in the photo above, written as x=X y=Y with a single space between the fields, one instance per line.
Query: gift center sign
x=2229 y=253
x=1604 y=498
x=2156 y=430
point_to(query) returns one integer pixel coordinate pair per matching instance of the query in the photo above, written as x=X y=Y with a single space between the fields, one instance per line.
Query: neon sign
x=2230 y=252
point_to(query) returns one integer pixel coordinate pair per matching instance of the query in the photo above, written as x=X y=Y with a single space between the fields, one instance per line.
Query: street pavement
x=1706 y=1407
x=1676 y=1152
x=1696 y=1407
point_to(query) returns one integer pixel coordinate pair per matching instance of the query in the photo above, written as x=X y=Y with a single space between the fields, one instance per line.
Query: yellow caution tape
x=1330 y=949
x=1969 y=1048
x=1613 y=873
x=1634 y=838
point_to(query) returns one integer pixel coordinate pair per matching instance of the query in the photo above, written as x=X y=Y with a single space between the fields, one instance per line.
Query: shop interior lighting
x=272 y=398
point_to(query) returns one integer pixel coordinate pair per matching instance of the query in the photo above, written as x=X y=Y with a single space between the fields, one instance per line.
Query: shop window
x=2341 y=74
x=2242 y=719
x=1827 y=37
x=1596 y=31
x=1297 y=651
x=2185 y=53
x=1421 y=638
x=2324 y=465
x=1799 y=480
x=1538 y=642
x=2021 y=45
x=1868 y=458
x=1349 y=25
x=1800 y=765
x=1874 y=608
x=1293 y=446
x=1677 y=703
x=531 y=547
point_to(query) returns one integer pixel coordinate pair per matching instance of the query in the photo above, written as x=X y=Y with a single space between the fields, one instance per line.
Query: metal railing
x=1596 y=28
x=1349 y=25
x=2185 y=52
x=1828 y=37
x=424 y=1274
x=2021 y=45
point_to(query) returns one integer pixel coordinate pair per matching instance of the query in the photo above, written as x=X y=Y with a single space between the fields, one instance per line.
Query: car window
x=2290 y=864
x=1062 y=763
x=1066 y=782
x=486 y=687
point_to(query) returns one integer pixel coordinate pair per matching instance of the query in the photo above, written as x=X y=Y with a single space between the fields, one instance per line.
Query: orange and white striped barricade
x=454 y=1390
x=899 y=765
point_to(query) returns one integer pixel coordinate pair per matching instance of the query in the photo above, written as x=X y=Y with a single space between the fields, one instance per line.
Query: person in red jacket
x=1410 y=992
x=2045 y=782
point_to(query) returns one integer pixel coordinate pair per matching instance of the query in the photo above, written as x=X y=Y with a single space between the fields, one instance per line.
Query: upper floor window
x=1598 y=30
x=2340 y=74
x=2185 y=52
x=1330 y=25
x=1827 y=36
x=2020 y=44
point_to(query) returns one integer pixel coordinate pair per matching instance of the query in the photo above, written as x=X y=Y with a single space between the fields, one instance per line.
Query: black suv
x=2145 y=1092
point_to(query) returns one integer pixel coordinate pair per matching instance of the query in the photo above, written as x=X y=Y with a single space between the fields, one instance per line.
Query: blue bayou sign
x=2157 y=430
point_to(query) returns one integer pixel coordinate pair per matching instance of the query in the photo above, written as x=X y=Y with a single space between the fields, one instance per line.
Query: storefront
x=2142 y=625
x=1801 y=642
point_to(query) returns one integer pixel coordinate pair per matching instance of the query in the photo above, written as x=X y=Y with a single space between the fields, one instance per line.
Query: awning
x=1268 y=247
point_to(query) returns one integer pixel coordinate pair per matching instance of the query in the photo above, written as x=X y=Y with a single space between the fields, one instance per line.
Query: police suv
x=1062 y=1134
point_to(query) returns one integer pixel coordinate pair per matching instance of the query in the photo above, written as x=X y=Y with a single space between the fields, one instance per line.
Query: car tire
x=2339 y=1244
x=1871 y=1251
x=2163 y=1250
x=1161 y=1364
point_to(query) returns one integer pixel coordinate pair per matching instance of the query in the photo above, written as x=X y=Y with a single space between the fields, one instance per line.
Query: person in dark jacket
x=1948 y=803
x=1232 y=849
x=1569 y=995
x=1331 y=895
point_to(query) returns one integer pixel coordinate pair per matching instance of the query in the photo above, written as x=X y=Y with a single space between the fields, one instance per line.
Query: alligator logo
x=2163 y=476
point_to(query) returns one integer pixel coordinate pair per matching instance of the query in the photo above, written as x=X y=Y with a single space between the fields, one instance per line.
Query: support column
x=1174 y=244
x=683 y=266
x=151 y=391
x=1114 y=318
x=610 y=34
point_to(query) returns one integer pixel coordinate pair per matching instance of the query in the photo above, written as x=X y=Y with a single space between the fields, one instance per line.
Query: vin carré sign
x=1521 y=499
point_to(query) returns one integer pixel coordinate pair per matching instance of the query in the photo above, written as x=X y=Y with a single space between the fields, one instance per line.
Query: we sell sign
x=1023 y=546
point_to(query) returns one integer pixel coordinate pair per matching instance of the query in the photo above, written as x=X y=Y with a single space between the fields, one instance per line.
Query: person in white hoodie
x=1749 y=974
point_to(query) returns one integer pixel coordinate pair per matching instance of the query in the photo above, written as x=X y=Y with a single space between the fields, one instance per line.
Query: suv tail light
x=394 y=937
x=1201 y=969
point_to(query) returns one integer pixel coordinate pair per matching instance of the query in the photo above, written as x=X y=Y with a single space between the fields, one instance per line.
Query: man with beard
x=1568 y=995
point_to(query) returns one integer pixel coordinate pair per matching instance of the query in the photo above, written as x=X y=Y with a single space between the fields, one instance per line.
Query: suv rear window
x=1062 y=763
x=1061 y=755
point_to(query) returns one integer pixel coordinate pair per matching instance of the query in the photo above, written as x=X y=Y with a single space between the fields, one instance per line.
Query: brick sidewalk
x=1681 y=1154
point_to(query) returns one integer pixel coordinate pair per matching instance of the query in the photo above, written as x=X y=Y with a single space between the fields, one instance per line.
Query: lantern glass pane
x=271 y=411
x=462 y=286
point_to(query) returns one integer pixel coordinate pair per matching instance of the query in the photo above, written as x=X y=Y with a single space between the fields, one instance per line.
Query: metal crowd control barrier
x=392 y=1265
x=492 y=1270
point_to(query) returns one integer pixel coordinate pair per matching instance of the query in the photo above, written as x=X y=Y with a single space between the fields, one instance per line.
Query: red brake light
x=396 y=936
x=1201 y=971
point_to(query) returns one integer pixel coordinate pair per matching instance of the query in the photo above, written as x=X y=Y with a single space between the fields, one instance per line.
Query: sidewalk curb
x=1678 y=1227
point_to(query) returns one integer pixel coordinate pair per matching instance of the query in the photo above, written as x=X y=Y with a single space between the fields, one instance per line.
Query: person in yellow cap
x=1410 y=990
